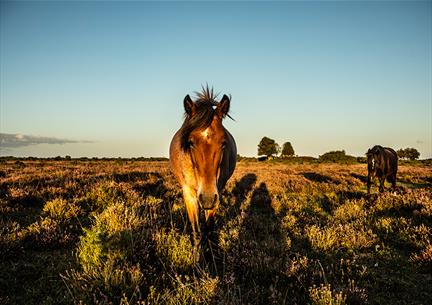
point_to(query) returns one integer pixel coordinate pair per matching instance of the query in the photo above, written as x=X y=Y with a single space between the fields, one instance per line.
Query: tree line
x=269 y=148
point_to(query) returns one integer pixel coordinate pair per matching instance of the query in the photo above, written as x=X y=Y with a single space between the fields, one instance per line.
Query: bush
x=337 y=156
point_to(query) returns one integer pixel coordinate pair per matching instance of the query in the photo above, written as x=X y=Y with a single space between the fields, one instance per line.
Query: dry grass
x=116 y=232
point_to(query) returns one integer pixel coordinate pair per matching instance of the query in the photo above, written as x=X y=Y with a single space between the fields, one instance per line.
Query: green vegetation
x=287 y=232
x=287 y=150
x=337 y=156
x=268 y=147
x=408 y=154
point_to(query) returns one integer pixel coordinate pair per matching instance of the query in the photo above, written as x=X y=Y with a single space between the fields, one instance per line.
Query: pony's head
x=204 y=139
x=374 y=157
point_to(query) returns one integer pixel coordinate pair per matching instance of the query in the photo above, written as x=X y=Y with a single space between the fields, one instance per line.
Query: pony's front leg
x=192 y=208
x=381 y=186
x=393 y=181
x=369 y=182
x=209 y=218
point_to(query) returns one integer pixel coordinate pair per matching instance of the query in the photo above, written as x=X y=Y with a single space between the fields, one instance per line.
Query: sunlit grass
x=117 y=232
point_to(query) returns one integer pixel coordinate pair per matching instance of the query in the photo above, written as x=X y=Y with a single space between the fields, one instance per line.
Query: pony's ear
x=189 y=105
x=223 y=106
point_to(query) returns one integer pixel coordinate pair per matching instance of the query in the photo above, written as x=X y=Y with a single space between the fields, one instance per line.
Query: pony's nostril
x=208 y=200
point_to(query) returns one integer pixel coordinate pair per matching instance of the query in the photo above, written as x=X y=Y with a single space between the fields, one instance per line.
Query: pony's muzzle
x=208 y=201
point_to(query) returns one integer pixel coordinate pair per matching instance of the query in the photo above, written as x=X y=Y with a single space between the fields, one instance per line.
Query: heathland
x=116 y=232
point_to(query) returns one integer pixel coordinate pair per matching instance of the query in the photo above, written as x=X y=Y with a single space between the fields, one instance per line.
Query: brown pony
x=382 y=163
x=203 y=155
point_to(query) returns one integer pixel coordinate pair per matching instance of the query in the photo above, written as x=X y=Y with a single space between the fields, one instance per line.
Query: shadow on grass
x=155 y=189
x=23 y=210
x=362 y=178
x=315 y=177
x=253 y=266
x=213 y=256
x=134 y=176
x=413 y=185
x=241 y=190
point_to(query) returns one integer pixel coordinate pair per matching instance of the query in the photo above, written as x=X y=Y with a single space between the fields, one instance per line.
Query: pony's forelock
x=205 y=109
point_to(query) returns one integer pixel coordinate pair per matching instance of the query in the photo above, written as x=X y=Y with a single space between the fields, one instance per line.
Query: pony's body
x=382 y=163
x=203 y=155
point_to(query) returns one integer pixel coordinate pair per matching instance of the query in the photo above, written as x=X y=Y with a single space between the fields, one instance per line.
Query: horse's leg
x=209 y=218
x=381 y=186
x=369 y=182
x=393 y=182
x=193 y=212
x=211 y=239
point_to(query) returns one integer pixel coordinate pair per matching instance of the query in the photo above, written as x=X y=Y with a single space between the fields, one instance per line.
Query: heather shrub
x=111 y=236
x=107 y=193
x=46 y=233
x=186 y=290
x=175 y=250
x=324 y=295
x=110 y=254
x=340 y=237
x=423 y=259
x=61 y=209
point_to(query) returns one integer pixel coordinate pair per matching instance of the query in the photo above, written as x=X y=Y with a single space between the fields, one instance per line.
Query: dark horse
x=203 y=156
x=382 y=163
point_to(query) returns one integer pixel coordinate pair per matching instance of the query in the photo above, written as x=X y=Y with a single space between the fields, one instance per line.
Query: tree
x=287 y=150
x=268 y=147
x=412 y=153
x=408 y=153
x=401 y=153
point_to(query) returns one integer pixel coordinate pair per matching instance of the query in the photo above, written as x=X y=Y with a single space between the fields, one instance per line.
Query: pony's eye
x=223 y=144
x=190 y=143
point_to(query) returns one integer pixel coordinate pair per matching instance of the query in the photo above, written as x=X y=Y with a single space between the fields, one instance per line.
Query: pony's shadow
x=241 y=190
x=259 y=252
x=230 y=209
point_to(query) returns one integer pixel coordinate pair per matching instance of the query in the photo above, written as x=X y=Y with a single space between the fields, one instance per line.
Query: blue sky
x=108 y=78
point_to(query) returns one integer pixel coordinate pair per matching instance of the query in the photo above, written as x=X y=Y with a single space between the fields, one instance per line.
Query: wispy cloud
x=8 y=140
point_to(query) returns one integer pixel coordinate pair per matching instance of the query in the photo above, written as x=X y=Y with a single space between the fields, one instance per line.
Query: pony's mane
x=206 y=95
x=205 y=104
x=374 y=150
